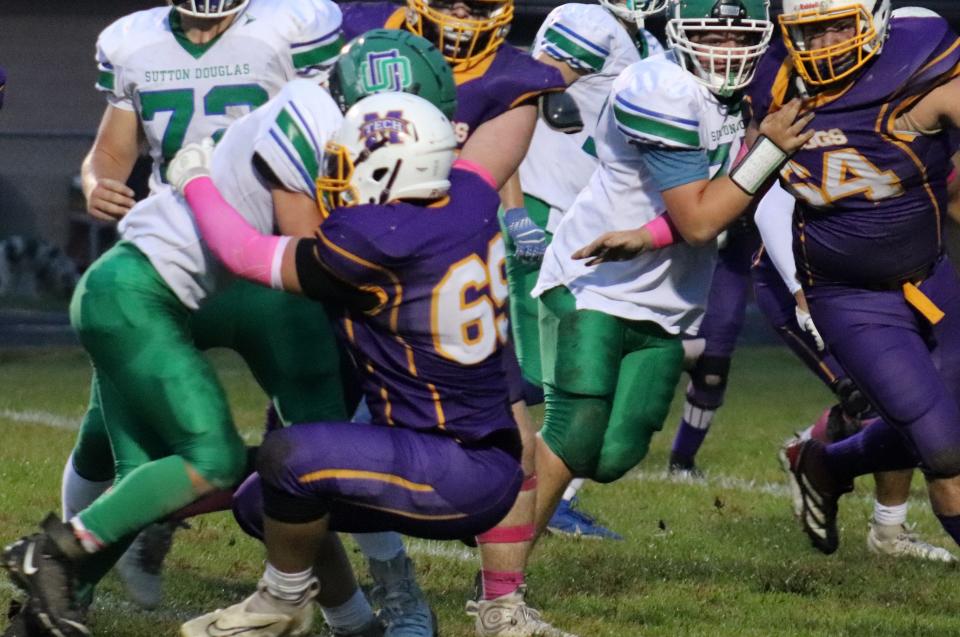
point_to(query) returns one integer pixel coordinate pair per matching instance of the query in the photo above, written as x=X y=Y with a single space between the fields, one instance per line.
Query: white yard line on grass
x=44 y=418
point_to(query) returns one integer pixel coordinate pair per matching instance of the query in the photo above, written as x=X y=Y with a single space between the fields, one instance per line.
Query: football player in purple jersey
x=406 y=237
x=498 y=88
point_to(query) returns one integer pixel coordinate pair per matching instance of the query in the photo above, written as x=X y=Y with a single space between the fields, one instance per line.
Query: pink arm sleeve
x=241 y=248
x=663 y=232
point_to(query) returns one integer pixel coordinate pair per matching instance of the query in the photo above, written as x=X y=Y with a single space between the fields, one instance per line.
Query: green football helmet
x=392 y=60
x=720 y=41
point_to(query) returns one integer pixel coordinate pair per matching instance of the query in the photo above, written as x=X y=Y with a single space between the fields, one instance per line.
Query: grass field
x=720 y=557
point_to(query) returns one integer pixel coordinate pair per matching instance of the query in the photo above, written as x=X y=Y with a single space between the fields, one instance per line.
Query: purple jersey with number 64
x=870 y=197
x=429 y=352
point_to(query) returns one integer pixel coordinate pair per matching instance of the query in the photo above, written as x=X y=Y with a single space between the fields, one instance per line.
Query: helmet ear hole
x=379 y=174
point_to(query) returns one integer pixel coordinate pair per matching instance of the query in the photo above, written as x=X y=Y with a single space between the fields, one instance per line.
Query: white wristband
x=276 y=266
x=762 y=161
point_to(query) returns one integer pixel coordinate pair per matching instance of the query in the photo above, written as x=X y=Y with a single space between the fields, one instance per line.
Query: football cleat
x=509 y=616
x=140 y=567
x=404 y=609
x=901 y=540
x=570 y=521
x=373 y=629
x=249 y=619
x=796 y=496
x=818 y=511
x=22 y=622
x=40 y=564
x=681 y=467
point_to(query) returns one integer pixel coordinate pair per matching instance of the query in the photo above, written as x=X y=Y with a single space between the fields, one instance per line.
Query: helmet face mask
x=720 y=41
x=830 y=40
x=462 y=40
x=390 y=146
x=209 y=8
x=392 y=60
x=635 y=11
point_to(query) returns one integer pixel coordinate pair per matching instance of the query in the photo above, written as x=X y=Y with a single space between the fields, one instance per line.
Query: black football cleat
x=818 y=510
x=39 y=564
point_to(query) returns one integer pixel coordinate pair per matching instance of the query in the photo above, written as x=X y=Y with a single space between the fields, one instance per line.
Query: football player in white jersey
x=665 y=140
x=590 y=45
x=172 y=76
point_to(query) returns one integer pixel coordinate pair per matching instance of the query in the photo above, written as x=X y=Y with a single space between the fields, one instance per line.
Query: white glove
x=805 y=321
x=190 y=162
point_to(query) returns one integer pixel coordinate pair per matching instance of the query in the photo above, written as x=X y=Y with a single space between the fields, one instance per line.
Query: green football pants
x=286 y=340
x=608 y=383
x=521 y=279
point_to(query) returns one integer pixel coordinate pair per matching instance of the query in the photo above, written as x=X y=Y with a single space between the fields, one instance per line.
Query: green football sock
x=147 y=494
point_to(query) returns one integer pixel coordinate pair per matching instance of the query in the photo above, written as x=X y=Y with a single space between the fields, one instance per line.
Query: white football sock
x=889 y=516
x=287 y=587
x=76 y=492
x=382 y=547
x=350 y=616
x=575 y=485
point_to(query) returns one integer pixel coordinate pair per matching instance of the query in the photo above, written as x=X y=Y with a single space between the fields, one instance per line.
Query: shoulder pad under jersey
x=582 y=35
x=657 y=102
x=119 y=42
x=303 y=117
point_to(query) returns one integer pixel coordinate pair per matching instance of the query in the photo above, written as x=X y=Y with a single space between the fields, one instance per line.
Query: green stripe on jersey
x=308 y=155
x=656 y=128
x=318 y=55
x=570 y=47
x=105 y=80
x=719 y=157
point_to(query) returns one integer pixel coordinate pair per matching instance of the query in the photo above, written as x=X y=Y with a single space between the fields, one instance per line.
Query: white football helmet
x=209 y=8
x=634 y=10
x=691 y=26
x=390 y=146
x=869 y=19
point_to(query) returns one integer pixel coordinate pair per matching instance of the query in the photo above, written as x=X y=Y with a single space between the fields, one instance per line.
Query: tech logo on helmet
x=378 y=130
x=386 y=71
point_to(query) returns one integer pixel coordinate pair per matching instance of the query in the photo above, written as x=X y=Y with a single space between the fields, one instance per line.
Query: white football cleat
x=286 y=620
x=902 y=541
x=509 y=616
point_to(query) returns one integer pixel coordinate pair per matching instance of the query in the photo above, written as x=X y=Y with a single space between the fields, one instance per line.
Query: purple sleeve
x=3 y=85
x=360 y=17
x=347 y=248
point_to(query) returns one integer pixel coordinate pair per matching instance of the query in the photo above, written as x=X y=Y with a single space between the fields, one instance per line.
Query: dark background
x=51 y=109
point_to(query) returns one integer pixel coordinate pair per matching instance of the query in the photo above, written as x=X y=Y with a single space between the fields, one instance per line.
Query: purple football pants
x=907 y=367
x=373 y=478
x=724 y=317
x=779 y=307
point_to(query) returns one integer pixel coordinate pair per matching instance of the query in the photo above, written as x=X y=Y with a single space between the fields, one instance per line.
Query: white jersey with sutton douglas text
x=589 y=39
x=653 y=102
x=183 y=92
x=288 y=134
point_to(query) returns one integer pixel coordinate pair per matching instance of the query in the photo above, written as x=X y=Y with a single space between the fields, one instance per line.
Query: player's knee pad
x=248 y=507
x=852 y=401
x=574 y=429
x=284 y=498
x=220 y=460
x=943 y=464
x=708 y=381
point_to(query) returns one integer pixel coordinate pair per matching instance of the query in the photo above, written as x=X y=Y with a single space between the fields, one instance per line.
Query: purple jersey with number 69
x=870 y=197
x=429 y=353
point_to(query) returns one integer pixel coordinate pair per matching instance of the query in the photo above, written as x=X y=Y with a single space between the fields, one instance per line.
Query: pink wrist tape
x=241 y=248
x=663 y=232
